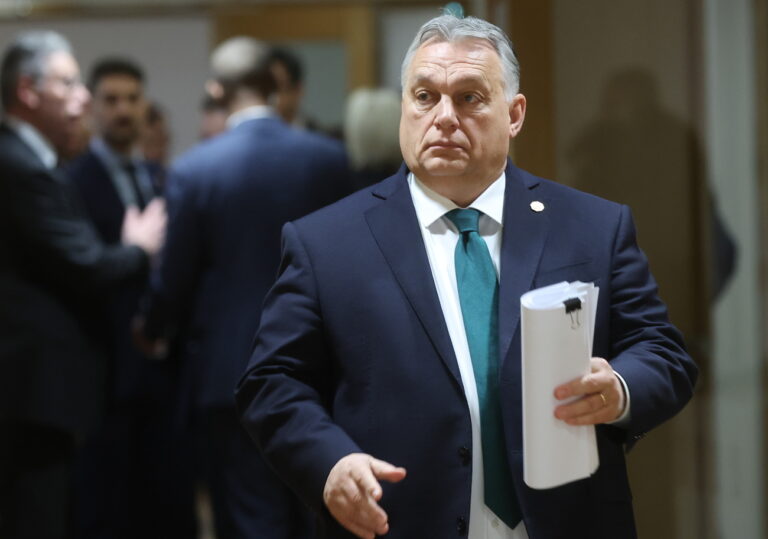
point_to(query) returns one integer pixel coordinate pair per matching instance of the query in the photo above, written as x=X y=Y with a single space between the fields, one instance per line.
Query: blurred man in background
x=54 y=269
x=124 y=484
x=228 y=198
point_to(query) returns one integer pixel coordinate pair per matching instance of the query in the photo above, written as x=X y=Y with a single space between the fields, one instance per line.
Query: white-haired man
x=53 y=269
x=391 y=340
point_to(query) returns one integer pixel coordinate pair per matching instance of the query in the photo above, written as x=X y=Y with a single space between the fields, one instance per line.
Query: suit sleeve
x=59 y=242
x=284 y=397
x=174 y=281
x=647 y=350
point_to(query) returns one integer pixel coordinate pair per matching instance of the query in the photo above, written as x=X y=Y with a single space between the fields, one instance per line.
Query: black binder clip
x=572 y=308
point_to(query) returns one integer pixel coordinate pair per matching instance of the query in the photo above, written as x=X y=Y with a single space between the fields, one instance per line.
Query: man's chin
x=449 y=168
x=121 y=138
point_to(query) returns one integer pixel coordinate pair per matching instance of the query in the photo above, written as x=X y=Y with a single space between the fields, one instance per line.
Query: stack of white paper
x=557 y=346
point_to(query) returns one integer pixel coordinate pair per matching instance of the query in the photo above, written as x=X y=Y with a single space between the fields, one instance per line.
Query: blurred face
x=57 y=100
x=155 y=141
x=456 y=123
x=288 y=95
x=118 y=110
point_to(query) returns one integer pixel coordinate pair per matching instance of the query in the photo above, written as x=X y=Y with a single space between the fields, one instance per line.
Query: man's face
x=118 y=110
x=456 y=122
x=59 y=100
x=288 y=95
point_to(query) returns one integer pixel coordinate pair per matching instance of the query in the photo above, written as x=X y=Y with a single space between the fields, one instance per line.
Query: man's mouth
x=444 y=145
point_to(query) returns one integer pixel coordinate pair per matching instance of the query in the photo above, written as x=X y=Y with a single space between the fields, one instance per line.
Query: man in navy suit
x=123 y=489
x=385 y=384
x=228 y=198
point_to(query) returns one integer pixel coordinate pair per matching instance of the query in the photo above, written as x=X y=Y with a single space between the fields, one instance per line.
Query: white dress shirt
x=250 y=113
x=440 y=237
x=115 y=165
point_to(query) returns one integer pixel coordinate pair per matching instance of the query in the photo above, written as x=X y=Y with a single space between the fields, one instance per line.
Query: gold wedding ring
x=605 y=402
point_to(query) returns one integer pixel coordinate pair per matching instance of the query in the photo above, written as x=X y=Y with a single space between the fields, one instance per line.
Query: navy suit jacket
x=227 y=200
x=353 y=354
x=129 y=370
x=53 y=271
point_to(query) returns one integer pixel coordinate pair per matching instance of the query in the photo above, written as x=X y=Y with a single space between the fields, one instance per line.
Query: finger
x=581 y=386
x=365 y=478
x=131 y=212
x=387 y=472
x=599 y=378
x=358 y=530
x=604 y=415
x=157 y=204
x=359 y=506
x=584 y=406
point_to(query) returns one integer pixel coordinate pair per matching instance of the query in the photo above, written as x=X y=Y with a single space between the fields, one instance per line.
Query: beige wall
x=626 y=99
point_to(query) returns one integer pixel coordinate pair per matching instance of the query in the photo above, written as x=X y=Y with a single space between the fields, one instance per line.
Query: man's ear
x=516 y=115
x=214 y=88
x=27 y=92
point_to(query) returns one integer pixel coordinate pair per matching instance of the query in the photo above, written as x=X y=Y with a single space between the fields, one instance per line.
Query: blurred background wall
x=660 y=104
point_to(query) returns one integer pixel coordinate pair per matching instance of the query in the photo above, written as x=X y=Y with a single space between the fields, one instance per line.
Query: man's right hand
x=147 y=229
x=352 y=491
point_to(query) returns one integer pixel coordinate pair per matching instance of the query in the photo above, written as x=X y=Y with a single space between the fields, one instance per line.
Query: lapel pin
x=537 y=206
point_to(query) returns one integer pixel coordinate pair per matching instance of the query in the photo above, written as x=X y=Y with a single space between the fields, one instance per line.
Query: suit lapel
x=525 y=232
x=395 y=228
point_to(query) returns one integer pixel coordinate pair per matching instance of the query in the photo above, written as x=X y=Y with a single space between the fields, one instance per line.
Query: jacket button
x=461 y=525
x=465 y=455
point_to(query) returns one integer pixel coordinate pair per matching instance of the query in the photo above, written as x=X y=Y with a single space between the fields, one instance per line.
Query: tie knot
x=465 y=219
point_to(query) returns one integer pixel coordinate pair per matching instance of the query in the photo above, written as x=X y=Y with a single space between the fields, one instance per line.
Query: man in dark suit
x=385 y=383
x=228 y=198
x=124 y=483
x=53 y=271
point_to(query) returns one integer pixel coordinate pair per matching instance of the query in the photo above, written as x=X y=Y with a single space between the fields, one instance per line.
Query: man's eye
x=471 y=98
x=422 y=96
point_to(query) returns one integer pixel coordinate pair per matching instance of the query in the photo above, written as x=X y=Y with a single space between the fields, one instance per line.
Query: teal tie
x=479 y=298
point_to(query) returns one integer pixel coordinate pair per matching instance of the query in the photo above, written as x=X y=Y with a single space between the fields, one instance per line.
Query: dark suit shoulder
x=257 y=140
x=16 y=156
x=566 y=200
x=86 y=169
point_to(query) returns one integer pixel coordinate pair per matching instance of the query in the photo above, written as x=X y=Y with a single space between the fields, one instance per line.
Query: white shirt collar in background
x=249 y=113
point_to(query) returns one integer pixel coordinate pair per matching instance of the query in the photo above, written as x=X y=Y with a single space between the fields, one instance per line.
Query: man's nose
x=83 y=95
x=446 y=117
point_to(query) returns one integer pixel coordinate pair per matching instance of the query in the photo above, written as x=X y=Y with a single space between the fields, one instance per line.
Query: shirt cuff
x=623 y=419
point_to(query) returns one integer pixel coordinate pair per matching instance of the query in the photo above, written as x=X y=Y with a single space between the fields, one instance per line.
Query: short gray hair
x=27 y=56
x=453 y=29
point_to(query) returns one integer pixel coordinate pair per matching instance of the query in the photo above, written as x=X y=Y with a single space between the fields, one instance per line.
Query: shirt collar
x=431 y=206
x=110 y=157
x=34 y=139
x=249 y=113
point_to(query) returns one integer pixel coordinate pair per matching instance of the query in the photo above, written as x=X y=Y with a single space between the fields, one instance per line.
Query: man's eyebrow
x=419 y=78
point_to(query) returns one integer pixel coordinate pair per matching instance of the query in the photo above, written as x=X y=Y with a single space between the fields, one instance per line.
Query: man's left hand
x=601 y=396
